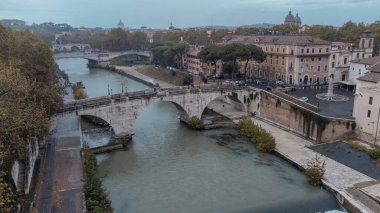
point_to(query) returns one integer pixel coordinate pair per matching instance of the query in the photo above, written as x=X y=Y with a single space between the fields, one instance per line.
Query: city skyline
x=152 y=14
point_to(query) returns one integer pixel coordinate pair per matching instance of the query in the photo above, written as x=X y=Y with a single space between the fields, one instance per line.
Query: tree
x=351 y=31
x=169 y=53
x=315 y=169
x=211 y=53
x=231 y=53
x=254 y=53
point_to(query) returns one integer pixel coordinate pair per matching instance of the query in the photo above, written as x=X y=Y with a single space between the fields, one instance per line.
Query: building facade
x=343 y=53
x=191 y=61
x=298 y=60
x=367 y=114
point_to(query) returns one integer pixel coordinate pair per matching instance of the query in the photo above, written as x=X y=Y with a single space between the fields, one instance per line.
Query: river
x=170 y=168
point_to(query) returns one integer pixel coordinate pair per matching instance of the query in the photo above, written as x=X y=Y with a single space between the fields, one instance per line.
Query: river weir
x=170 y=168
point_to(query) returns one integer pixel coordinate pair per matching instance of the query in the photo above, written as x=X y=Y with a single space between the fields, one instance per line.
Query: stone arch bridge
x=104 y=59
x=122 y=110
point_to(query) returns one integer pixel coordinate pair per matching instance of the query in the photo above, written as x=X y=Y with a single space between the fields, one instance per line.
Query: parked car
x=240 y=83
x=304 y=99
x=280 y=83
x=257 y=82
x=269 y=88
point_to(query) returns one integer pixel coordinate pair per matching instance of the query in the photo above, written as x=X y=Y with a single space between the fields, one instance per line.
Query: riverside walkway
x=350 y=187
x=338 y=177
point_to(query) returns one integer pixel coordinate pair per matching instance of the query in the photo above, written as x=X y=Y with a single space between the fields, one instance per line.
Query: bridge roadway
x=121 y=110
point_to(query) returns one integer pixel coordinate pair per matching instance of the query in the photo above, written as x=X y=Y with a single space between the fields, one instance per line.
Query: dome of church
x=298 y=19
x=290 y=18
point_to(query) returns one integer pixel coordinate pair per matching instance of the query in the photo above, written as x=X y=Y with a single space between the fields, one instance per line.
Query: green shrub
x=315 y=170
x=96 y=197
x=196 y=123
x=374 y=153
x=262 y=139
x=267 y=147
x=187 y=80
x=80 y=93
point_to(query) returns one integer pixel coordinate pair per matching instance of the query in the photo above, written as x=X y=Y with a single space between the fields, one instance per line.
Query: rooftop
x=375 y=68
x=368 y=61
x=371 y=77
x=276 y=39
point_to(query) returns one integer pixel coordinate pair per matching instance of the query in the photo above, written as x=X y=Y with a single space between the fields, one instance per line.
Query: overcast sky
x=187 y=13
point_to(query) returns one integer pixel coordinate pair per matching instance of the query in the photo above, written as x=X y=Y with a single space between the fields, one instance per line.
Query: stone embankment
x=132 y=73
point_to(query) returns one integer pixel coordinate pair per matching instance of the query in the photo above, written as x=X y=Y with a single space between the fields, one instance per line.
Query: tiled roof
x=375 y=68
x=276 y=39
x=368 y=61
x=371 y=77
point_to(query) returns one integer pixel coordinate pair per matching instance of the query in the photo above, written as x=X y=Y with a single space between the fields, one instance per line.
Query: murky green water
x=170 y=168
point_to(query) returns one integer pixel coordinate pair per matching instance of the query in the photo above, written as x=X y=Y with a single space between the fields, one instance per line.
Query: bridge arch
x=75 y=48
x=224 y=102
x=183 y=115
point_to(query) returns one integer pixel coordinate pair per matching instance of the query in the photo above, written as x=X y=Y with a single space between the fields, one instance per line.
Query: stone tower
x=366 y=42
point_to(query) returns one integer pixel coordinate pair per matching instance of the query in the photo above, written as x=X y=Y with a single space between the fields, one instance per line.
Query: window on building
x=301 y=50
x=266 y=48
x=283 y=50
x=319 y=59
x=307 y=50
x=363 y=55
x=327 y=50
x=333 y=56
x=311 y=67
x=301 y=59
x=312 y=59
x=283 y=60
x=368 y=113
x=271 y=61
x=370 y=100
x=357 y=55
x=291 y=52
x=345 y=61
x=320 y=50
x=312 y=50
x=277 y=49
x=333 y=64
x=319 y=68
x=325 y=67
